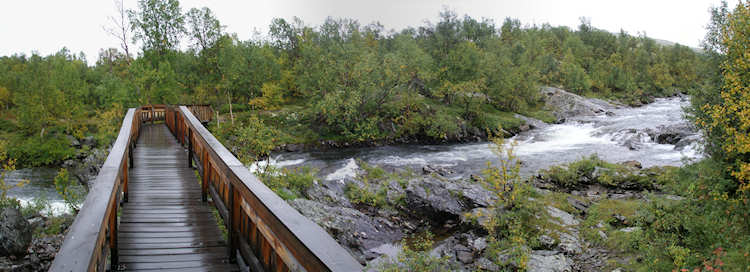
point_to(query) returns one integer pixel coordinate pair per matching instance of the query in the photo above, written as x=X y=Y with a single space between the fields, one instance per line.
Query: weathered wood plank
x=164 y=225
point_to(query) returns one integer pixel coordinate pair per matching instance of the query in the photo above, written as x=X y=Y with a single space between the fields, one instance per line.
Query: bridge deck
x=165 y=225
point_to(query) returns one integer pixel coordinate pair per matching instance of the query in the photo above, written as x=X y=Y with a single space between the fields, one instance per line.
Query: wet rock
x=329 y=191
x=15 y=233
x=549 y=261
x=671 y=134
x=578 y=205
x=687 y=141
x=351 y=228
x=565 y=105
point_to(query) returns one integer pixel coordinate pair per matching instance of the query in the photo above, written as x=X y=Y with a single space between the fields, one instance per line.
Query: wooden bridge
x=164 y=191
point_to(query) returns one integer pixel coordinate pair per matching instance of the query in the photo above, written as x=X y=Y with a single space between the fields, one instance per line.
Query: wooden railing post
x=231 y=222
x=190 y=148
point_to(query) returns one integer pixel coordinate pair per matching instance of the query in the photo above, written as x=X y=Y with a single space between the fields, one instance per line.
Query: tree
x=730 y=119
x=205 y=29
x=119 y=28
x=158 y=24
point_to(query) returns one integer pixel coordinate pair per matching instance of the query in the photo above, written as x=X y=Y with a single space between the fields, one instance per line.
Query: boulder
x=549 y=261
x=565 y=105
x=671 y=134
x=530 y=123
x=440 y=200
x=15 y=233
x=351 y=228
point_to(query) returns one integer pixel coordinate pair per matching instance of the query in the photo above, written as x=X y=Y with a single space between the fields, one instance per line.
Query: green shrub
x=34 y=151
x=288 y=183
x=72 y=193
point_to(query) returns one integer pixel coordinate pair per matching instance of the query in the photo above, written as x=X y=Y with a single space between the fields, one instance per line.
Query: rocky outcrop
x=439 y=200
x=549 y=261
x=671 y=134
x=565 y=105
x=530 y=123
x=15 y=233
x=358 y=232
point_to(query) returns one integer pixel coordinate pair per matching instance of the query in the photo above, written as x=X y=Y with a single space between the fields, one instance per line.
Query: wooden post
x=190 y=148
x=231 y=220
x=206 y=175
x=114 y=256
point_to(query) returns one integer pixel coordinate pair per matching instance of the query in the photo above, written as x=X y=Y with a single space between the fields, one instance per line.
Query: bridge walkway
x=164 y=225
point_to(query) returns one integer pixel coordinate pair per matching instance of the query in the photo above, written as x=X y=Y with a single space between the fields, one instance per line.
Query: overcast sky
x=47 y=26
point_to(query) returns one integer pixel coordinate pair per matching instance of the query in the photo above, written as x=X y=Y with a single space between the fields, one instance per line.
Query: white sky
x=47 y=26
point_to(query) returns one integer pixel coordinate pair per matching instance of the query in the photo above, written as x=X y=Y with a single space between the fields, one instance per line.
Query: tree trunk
x=231 y=114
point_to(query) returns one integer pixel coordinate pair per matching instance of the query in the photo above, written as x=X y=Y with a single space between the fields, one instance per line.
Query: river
x=606 y=135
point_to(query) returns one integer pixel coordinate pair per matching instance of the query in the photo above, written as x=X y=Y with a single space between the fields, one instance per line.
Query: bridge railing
x=152 y=113
x=93 y=235
x=263 y=229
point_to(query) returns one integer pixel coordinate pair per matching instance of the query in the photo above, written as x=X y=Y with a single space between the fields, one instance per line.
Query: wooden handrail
x=266 y=232
x=94 y=230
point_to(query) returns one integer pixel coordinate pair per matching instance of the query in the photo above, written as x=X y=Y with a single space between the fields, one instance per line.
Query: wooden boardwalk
x=164 y=225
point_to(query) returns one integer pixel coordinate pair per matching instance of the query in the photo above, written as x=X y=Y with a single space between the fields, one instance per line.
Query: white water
x=537 y=149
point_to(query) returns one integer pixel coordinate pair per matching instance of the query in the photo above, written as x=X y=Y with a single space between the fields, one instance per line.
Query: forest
x=341 y=81
x=347 y=83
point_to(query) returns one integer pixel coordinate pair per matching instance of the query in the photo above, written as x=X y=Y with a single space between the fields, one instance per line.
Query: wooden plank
x=165 y=225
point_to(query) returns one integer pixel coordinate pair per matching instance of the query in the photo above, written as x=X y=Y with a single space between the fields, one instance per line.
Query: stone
x=351 y=228
x=479 y=244
x=485 y=264
x=293 y=147
x=440 y=200
x=578 y=205
x=549 y=261
x=570 y=243
x=632 y=164
x=479 y=216
x=565 y=105
x=15 y=233
x=564 y=218
x=476 y=178
x=464 y=254
x=89 y=141
x=431 y=169
x=547 y=242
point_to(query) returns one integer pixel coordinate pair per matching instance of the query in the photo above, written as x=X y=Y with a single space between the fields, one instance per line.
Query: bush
x=288 y=183
x=72 y=193
x=34 y=151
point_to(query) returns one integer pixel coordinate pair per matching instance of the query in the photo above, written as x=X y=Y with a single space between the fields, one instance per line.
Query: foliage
x=727 y=121
x=158 y=24
x=71 y=192
x=594 y=170
x=250 y=141
x=512 y=227
x=8 y=166
x=288 y=183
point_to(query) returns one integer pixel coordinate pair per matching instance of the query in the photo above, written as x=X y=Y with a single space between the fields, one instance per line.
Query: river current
x=605 y=135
